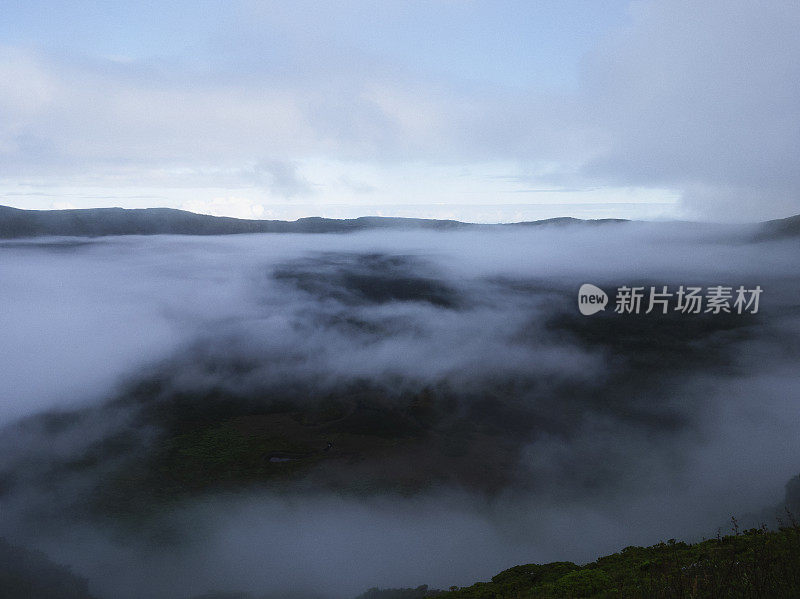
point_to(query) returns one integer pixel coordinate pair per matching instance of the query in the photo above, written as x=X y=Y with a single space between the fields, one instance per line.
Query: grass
x=756 y=563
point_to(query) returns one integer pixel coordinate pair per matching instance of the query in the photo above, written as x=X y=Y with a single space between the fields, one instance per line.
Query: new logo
x=591 y=299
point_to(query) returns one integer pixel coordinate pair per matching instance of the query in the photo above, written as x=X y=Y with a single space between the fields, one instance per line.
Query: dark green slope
x=28 y=574
x=753 y=564
x=781 y=228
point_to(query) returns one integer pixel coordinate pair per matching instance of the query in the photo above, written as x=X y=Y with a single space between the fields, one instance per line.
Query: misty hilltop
x=99 y=222
x=781 y=228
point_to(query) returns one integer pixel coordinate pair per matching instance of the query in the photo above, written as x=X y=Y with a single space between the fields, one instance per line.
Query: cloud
x=698 y=101
x=703 y=99
x=236 y=207
x=63 y=206
x=282 y=178
x=559 y=436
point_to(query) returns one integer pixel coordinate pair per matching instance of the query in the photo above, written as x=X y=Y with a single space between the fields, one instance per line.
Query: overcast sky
x=484 y=111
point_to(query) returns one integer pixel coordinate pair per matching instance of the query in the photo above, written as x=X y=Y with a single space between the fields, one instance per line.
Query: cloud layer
x=562 y=437
x=699 y=101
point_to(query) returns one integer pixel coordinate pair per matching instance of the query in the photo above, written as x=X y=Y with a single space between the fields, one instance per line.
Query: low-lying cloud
x=477 y=419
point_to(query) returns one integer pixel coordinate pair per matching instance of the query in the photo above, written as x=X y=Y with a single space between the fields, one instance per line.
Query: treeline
x=755 y=563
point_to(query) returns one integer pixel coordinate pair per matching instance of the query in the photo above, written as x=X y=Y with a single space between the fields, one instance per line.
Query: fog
x=554 y=436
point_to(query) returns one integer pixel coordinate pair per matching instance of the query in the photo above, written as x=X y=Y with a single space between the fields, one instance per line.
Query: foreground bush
x=754 y=563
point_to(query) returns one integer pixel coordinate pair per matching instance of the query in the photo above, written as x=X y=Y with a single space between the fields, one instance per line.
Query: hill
x=779 y=229
x=97 y=222
x=28 y=574
x=754 y=563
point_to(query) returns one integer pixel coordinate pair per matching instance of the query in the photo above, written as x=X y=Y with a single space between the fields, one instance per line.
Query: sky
x=476 y=110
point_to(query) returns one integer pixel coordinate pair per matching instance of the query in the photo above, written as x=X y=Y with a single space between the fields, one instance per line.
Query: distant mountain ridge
x=780 y=228
x=100 y=222
x=97 y=222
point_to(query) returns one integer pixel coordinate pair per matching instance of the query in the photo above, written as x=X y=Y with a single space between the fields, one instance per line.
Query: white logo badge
x=591 y=299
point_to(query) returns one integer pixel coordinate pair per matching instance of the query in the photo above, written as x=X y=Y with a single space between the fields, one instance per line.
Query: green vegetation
x=182 y=440
x=31 y=575
x=749 y=564
x=417 y=593
x=360 y=443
